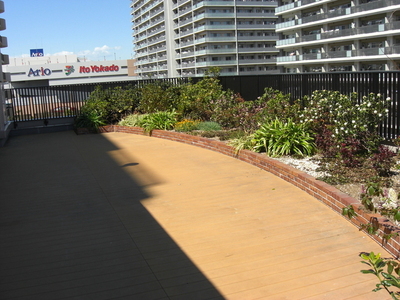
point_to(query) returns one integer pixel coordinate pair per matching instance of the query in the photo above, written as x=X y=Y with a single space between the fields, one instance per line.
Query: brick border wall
x=320 y=190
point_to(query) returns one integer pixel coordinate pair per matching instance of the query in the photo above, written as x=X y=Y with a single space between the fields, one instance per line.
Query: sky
x=93 y=29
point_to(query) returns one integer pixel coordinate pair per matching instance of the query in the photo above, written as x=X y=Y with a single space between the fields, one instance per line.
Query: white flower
x=392 y=194
x=388 y=99
x=353 y=121
x=375 y=111
x=380 y=115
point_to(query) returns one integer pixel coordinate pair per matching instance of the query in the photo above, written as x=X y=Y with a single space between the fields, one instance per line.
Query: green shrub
x=89 y=120
x=111 y=105
x=273 y=104
x=158 y=96
x=195 y=99
x=209 y=126
x=279 y=138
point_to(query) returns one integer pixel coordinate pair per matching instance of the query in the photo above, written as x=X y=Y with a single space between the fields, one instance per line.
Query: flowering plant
x=342 y=114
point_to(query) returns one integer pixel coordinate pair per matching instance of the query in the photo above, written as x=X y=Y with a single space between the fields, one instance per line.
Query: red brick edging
x=320 y=190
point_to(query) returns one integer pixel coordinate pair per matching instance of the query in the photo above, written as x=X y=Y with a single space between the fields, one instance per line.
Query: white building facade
x=338 y=35
x=181 y=38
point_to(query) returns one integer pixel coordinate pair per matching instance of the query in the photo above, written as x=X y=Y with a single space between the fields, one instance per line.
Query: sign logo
x=69 y=70
x=37 y=53
x=98 y=69
x=39 y=72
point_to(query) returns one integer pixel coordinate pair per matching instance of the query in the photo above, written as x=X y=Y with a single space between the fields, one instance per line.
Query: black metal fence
x=44 y=103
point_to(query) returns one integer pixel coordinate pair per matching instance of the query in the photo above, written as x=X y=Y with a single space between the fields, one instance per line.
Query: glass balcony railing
x=375 y=51
x=341 y=33
x=333 y=12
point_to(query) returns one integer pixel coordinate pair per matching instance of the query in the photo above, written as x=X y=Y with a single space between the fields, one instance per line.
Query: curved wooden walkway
x=119 y=216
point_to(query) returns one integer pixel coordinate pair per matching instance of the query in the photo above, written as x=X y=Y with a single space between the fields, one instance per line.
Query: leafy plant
x=349 y=212
x=386 y=270
x=383 y=161
x=90 y=120
x=245 y=142
x=164 y=120
x=111 y=105
x=279 y=138
x=158 y=96
x=195 y=99
x=132 y=120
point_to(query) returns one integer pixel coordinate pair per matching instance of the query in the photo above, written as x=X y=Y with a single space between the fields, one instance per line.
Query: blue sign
x=37 y=53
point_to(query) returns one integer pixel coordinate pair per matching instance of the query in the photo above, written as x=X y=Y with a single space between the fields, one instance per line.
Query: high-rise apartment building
x=339 y=35
x=174 y=38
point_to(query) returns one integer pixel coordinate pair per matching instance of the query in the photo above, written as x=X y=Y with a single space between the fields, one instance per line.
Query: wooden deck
x=119 y=216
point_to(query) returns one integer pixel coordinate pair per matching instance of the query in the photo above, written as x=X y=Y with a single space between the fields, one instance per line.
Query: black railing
x=44 y=103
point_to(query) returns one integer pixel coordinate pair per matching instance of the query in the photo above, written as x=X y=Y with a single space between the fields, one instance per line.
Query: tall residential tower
x=174 y=38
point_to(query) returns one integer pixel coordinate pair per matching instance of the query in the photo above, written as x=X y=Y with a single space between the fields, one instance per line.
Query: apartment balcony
x=253 y=3
x=376 y=51
x=257 y=38
x=187 y=21
x=184 y=34
x=339 y=12
x=255 y=15
x=2 y=24
x=256 y=61
x=213 y=3
x=3 y=42
x=187 y=54
x=2 y=7
x=288 y=6
x=215 y=39
x=343 y=34
x=186 y=65
x=184 y=11
x=156 y=41
x=217 y=63
x=215 y=51
x=156 y=12
x=214 y=27
x=186 y=43
x=157 y=49
x=5 y=59
x=257 y=50
x=214 y=16
x=256 y=26
x=181 y=2
x=154 y=32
